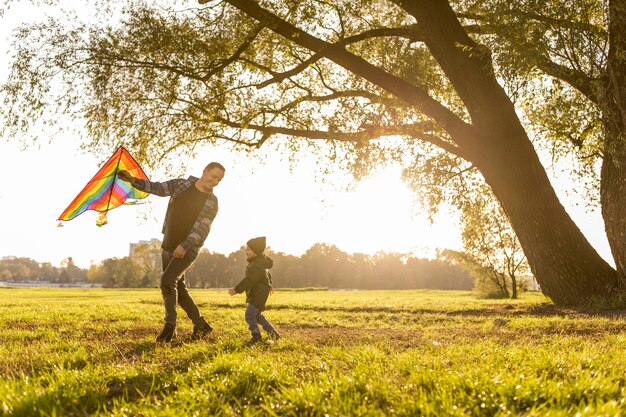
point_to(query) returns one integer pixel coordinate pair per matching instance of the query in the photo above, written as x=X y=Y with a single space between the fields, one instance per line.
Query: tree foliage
x=14 y=269
x=117 y=273
x=492 y=252
x=323 y=265
x=552 y=57
x=159 y=82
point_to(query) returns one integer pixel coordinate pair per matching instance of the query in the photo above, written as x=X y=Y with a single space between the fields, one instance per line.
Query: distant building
x=146 y=252
x=152 y=244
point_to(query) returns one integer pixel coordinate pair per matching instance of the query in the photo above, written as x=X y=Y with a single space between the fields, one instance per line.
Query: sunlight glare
x=381 y=214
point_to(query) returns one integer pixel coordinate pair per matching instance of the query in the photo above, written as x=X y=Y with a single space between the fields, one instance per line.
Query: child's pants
x=254 y=317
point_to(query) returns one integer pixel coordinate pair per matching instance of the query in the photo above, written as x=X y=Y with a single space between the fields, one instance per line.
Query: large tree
x=344 y=71
x=579 y=46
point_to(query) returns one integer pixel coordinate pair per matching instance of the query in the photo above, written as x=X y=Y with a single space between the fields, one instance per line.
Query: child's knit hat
x=257 y=244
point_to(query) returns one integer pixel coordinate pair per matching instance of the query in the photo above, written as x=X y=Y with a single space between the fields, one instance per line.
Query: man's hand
x=232 y=291
x=179 y=252
x=125 y=176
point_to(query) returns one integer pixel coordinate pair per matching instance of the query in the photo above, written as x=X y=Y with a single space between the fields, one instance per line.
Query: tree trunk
x=513 y=287
x=566 y=266
x=505 y=287
x=613 y=177
x=613 y=200
x=500 y=281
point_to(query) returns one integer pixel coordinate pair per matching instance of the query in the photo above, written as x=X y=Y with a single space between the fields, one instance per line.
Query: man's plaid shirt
x=173 y=188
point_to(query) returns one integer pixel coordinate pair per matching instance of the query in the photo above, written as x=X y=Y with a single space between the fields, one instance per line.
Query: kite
x=106 y=190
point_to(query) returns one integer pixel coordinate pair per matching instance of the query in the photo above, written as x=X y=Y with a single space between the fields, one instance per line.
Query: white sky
x=294 y=210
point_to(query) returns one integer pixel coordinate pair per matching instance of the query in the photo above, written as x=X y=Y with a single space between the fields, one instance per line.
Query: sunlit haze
x=294 y=209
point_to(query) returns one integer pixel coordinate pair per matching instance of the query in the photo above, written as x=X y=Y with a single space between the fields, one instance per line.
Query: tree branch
x=416 y=130
x=410 y=32
x=114 y=60
x=416 y=96
x=585 y=26
x=118 y=60
x=373 y=98
x=245 y=44
x=577 y=79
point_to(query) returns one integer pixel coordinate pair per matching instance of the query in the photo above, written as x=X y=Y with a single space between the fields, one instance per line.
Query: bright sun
x=382 y=214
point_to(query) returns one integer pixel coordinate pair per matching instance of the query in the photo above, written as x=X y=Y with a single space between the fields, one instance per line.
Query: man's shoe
x=167 y=334
x=274 y=335
x=256 y=338
x=201 y=330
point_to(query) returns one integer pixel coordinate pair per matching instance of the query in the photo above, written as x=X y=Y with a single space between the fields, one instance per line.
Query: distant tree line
x=323 y=265
x=13 y=269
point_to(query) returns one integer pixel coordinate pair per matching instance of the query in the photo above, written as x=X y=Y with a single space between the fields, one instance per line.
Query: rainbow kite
x=106 y=191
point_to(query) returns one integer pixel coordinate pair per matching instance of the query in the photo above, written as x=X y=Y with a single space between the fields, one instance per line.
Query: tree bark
x=514 y=287
x=613 y=175
x=613 y=201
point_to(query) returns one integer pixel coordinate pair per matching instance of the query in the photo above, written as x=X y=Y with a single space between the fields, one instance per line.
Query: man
x=190 y=213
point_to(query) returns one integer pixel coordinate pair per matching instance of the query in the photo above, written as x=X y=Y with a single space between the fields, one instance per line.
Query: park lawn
x=75 y=352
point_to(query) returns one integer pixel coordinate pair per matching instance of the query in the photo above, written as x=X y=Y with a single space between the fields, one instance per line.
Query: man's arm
x=162 y=189
x=125 y=176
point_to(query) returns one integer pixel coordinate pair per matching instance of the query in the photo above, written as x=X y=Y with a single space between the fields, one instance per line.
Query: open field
x=75 y=352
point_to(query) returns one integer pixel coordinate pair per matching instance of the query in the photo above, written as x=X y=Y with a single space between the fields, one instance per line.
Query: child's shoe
x=256 y=338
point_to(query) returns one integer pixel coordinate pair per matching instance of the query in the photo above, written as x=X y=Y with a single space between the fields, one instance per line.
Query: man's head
x=215 y=165
x=212 y=175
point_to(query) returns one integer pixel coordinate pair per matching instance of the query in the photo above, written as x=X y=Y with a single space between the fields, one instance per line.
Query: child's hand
x=232 y=291
x=271 y=290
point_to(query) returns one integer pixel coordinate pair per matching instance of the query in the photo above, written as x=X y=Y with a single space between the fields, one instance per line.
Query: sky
x=293 y=208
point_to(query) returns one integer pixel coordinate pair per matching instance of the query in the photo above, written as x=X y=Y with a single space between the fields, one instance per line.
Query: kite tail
x=133 y=202
x=102 y=219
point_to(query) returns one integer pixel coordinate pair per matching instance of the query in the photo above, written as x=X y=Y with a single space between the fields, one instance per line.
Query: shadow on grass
x=401 y=339
x=495 y=310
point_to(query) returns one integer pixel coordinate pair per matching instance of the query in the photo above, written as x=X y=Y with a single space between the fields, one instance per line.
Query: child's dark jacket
x=257 y=282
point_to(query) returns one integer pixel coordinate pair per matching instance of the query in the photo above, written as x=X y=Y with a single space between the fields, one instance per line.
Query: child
x=258 y=286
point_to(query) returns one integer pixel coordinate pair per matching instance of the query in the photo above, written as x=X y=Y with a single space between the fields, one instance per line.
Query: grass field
x=75 y=352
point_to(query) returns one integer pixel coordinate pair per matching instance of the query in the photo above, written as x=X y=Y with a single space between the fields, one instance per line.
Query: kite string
x=117 y=166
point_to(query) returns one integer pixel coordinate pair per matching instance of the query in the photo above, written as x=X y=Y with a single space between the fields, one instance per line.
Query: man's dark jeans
x=174 y=289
